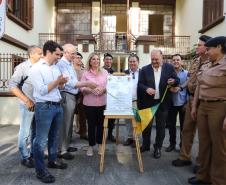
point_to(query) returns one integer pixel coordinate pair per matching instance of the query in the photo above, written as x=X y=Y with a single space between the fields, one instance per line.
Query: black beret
x=204 y=38
x=79 y=54
x=214 y=42
x=108 y=55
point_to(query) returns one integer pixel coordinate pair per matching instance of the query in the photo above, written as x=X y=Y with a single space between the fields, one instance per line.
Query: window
x=146 y=48
x=212 y=14
x=21 y=12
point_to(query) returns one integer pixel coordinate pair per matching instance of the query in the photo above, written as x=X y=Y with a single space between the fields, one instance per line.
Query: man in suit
x=152 y=83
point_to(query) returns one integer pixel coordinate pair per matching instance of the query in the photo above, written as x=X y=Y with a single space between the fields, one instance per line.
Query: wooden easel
x=135 y=136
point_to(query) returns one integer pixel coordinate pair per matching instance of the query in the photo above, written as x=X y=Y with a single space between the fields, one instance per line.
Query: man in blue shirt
x=179 y=99
x=46 y=79
x=68 y=94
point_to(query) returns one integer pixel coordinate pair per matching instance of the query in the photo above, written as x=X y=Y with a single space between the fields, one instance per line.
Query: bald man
x=152 y=83
x=68 y=94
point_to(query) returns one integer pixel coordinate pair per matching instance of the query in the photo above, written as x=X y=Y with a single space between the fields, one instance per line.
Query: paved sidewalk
x=121 y=166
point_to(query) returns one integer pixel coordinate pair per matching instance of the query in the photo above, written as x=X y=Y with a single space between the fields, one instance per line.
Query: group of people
x=53 y=84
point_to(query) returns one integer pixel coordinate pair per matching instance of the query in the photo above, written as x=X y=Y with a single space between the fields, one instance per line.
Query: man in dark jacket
x=152 y=83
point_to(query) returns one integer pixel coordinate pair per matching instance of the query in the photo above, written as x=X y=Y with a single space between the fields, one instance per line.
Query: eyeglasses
x=133 y=55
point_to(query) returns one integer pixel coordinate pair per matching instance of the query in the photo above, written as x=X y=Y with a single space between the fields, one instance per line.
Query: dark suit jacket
x=147 y=80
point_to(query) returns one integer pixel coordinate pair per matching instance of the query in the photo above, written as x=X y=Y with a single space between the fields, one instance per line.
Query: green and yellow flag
x=144 y=116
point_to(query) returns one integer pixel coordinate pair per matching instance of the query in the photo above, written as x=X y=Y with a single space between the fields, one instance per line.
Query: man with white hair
x=68 y=94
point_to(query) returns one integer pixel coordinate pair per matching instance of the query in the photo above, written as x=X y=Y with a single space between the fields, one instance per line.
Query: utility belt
x=203 y=100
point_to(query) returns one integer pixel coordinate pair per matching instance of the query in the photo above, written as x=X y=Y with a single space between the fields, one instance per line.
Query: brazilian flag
x=143 y=117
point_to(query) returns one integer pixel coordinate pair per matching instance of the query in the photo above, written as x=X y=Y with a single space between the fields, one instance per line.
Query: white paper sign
x=119 y=95
x=2 y=17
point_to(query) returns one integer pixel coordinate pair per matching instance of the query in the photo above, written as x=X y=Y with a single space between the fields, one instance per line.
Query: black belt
x=202 y=100
x=69 y=93
x=52 y=103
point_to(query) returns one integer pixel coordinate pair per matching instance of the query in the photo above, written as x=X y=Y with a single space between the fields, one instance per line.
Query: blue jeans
x=25 y=135
x=48 y=122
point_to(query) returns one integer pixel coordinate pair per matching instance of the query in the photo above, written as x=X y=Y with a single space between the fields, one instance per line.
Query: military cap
x=79 y=54
x=204 y=38
x=214 y=42
x=108 y=55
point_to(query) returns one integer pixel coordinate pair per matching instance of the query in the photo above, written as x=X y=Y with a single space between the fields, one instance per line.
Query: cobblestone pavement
x=121 y=166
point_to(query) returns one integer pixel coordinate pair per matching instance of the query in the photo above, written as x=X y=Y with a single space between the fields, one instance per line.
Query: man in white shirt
x=133 y=61
x=46 y=79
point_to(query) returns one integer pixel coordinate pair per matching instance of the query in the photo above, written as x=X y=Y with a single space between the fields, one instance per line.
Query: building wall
x=220 y=29
x=43 y=23
x=188 y=19
x=9 y=112
x=44 y=17
x=189 y=15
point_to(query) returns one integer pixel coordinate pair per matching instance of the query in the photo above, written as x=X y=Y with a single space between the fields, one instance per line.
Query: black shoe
x=194 y=180
x=72 y=149
x=179 y=162
x=57 y=165
x=128 y=142
x=144 y=149
x=66 y=156
x=170 y=148
x=111 y=138
x=196 y=168
x=157 y=153
x=29 y=163
x=45 y=177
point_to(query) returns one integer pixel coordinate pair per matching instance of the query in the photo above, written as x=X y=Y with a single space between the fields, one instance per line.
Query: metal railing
x=115 y=42
x=123 y=42
x=8 y=62
x=171 y=44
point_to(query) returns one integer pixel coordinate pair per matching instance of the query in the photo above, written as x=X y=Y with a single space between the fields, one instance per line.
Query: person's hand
x=30 y=105
x=171 y=81
x=98 y=91
x=151 y=91
x=194 y=113
x=91 y=85
x=224 y=124
x=62 y=80
x=175 y=89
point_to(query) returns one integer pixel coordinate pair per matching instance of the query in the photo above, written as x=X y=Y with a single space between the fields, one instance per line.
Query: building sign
x=2 y=17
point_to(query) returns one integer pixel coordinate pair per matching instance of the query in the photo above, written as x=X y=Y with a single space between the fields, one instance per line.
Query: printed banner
x=2 y=17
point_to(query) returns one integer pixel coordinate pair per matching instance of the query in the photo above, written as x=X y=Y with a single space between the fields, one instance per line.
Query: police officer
x=189 y=127
x=211 y=115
